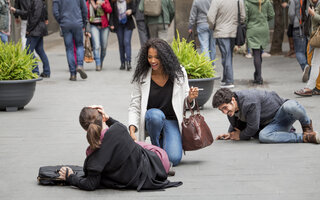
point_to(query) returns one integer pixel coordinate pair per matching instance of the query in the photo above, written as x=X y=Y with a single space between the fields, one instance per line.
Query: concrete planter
x=207 y=85
x=15 y=94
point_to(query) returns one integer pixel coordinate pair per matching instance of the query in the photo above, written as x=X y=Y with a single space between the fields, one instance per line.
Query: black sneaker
x=122 y=67
x=80 y=70
x=44 y=75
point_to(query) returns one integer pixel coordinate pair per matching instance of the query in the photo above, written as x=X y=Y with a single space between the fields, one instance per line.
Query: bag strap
x=186 y=102
x=238 y=12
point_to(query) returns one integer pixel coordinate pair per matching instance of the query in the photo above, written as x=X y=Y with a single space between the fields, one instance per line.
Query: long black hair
x=168 y=60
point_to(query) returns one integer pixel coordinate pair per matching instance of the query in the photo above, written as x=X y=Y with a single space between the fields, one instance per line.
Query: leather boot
x=311 y=137
x=291 y=52
x=122 y=66
x=128 y=65
x=307 y=128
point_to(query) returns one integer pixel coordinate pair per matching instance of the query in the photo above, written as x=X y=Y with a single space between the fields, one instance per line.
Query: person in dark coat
x=22 y=5
x=122 y=23
x=114 y=160
x=37 y=16
x=263 y=114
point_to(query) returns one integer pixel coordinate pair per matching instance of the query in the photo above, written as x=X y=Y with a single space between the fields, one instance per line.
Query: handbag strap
x=186 y=102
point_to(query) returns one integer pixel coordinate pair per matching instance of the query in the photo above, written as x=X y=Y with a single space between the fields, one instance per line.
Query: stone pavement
x=47 y=132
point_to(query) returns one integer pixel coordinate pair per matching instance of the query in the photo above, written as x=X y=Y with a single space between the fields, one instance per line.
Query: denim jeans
x=207 y=41
x=99 y=43
x=36 y=43
x=300 y=47
x=76 y=34
x=124 y=40
x=3 y=37
x=278 y=131
x=165 y=134
x=226 y=46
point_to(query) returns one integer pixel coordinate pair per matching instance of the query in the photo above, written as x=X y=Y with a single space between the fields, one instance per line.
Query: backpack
x=152 y=7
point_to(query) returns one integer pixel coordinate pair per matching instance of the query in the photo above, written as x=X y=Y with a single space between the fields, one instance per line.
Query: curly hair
x=168 y=60
x=223 y=95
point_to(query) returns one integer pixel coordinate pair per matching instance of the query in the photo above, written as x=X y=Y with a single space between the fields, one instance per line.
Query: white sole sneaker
x=227 y=86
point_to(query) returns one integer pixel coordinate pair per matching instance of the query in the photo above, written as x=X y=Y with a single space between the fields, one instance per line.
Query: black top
x=121 y=163
x=161 y=98
x=114 y=21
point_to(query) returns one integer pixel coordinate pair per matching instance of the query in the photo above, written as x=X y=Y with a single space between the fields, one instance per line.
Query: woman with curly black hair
x=160 y=87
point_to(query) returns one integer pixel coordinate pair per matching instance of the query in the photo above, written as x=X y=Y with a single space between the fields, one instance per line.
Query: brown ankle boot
x=291 y=44
x=307 y=127
x=311 y=137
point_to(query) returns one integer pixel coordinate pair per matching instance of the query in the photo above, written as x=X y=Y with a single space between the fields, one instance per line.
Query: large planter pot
x=207 y=85
x=15 y=94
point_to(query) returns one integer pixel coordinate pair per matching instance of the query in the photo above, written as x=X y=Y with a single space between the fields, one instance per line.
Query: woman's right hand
x=100 y=109
x=112 y=27
x=132 y=130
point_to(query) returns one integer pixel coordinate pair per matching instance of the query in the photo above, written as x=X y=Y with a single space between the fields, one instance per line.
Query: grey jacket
x=257 y=109
x=198 y=13
x=4 y=15
x=223 y=17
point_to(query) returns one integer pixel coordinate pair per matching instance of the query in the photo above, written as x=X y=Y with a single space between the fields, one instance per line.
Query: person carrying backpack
x=156 y=20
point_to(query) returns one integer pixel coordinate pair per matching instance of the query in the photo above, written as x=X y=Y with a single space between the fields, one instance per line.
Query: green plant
x=196 y=65
x=15 y=63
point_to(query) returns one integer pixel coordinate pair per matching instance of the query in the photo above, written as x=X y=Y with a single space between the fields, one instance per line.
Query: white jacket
x=223 y=17
x=139 y=102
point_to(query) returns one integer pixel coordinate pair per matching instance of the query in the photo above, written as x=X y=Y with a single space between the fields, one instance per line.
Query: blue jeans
x=165 y=134
x=124 y=40
x=207 y=41
x=3 y=37
x=300 y=47
x=36 y=43
x=278 y=131
x=226 y=46
x=76 y=34
x=99 y=43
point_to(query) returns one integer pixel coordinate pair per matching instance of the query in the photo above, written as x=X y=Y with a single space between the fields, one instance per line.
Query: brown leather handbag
x=195 y=132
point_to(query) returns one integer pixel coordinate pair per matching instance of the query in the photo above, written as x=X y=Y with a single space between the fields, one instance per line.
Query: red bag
x=195 y=132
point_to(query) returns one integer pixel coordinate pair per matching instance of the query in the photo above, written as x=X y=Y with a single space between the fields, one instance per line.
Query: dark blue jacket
x=70 y=13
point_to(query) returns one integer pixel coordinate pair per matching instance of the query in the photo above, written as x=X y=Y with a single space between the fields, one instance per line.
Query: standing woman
x=4 y=20
x=122 y=23
x=98 y=17
x=36 y=30
x=310 y=88
x=156 y=108
x=258 y=13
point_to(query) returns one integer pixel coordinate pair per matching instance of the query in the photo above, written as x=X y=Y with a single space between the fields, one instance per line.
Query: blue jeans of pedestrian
x=226 y=46
x=99 y=43
x=165 y=134
x=207 y=41
x=36 y=43
x=124 y=39
x=76 y=34
x=300 y=47
x=3 y=37
x=278 y=131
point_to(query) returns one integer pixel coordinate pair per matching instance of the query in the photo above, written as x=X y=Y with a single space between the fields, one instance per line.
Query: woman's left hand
x=63 y=172
x=129 y=12
x=193 y=93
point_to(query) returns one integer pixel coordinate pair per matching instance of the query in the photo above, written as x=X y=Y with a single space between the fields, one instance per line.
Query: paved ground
x=47 y=132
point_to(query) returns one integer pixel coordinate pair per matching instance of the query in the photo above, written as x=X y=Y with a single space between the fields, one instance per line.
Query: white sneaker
x=305 y=73
x=265 y=55
x=248 y=55
x=227 y=85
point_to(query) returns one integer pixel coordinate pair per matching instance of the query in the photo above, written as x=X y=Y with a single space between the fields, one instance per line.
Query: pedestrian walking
x=4 y=20
x=72 y=17
x=21 y=19
x=122 y=23
x=258 y=13
x=223 y=19
x=263 y=115
x=141 y=24
x=198 y=17
x=98 y=11
x=37 y=16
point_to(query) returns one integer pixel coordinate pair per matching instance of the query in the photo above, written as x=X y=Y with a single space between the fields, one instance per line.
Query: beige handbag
x=315 y=39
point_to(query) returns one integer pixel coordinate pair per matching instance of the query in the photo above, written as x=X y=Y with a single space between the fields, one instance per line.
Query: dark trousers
x=257 y=61
x=124 y=39
x=36 y=43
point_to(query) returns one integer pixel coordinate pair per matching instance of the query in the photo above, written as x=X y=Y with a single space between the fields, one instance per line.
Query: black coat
x=121 y=163
x=21 y=5
x=114 y=20
x=37 y=14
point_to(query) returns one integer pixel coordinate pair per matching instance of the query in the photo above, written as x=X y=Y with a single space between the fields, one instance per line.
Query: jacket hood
x=257 y=1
